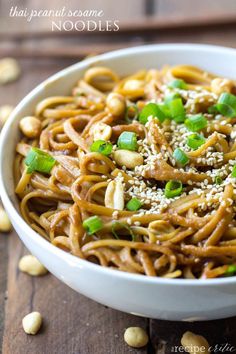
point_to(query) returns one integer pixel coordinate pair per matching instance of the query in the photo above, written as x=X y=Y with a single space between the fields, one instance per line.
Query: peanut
x=114 y=196
x=9 y=70
x=5 y=112
x=194 y=343
x=127 y=158
x=31 y=126
x=219 y=85
x=29 y=264
x=32 y=322
x=116 y=104
x=133 y=85
x=102 y=131
x=135 y=337
x=5 y=224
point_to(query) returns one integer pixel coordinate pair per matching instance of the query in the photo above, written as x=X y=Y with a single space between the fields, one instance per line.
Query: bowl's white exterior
x=172 y=299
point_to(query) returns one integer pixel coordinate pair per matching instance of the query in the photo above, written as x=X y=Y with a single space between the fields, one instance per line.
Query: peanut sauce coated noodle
x=136 y=173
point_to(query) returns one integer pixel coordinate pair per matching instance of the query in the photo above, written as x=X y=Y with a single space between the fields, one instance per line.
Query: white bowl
x=172 y=299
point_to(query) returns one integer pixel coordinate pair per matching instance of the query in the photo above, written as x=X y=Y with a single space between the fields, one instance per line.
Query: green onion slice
x=131 y=113
x=92 y=224
x=154 y=110
x=180 y=156
x=226 y=105
x=171 y=96
x=177 y=111
x=233 y=173
x=173 y=189
x=38 y=160
x=120 y=225
x=133 y=204
x=212 y=110
x=196 y=122
x=231 y=270
x=194 y=141
x=127 y=141
x=101 y=146
x=178 y=83
x=165 y=110
x=218 y=180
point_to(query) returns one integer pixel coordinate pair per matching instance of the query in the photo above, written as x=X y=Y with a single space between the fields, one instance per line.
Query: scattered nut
x=32 y=322
x=193 y=343
x=102 y=131
x=5 y=224
x=9 y=70
x=133 y=85
x=219 y=85
x=29 y=264
x=127 y=158
x=114 y=196
x=5 y=112
x=135 y=337
x=31 y=126
x=116 y=104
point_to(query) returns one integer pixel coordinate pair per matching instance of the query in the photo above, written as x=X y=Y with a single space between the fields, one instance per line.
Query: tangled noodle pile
x=136 y=173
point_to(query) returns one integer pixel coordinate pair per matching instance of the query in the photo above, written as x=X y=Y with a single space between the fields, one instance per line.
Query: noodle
x=189 y=234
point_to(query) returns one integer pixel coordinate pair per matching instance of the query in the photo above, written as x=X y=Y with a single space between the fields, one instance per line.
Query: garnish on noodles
x=136 y=173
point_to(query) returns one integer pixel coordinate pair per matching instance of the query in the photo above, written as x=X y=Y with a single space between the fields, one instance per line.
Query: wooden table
x=74 y=324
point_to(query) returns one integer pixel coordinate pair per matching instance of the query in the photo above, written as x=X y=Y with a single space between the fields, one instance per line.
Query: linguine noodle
x=189 y=235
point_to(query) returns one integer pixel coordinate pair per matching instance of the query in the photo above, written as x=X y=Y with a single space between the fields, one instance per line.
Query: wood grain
x=72 y=323
x=195 y=9
x=155 y=23
x=71 y=52
x=3 y=279
x=218 y=332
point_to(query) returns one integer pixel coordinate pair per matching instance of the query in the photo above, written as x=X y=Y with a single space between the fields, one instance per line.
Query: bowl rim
x=46 y=245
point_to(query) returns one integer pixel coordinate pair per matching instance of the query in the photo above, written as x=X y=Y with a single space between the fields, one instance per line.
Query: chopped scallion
x=127 y=141
x=171 y=96
x=233 y=173
x=133 y=204
x=231 y=270
x=173 y=189
x=212 y=110
x=151 y=109
x=92 y=224
x=165 y=110
x=38 y=160
x=218 y=180
x=196 y=122
x=180 y=156
x=226 y=105
x=194 y=141
x=177 y=111
x=178 y=83
x=101 y=146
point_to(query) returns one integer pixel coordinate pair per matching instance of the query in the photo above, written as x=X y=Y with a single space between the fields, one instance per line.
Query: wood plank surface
x=166 y=335
x=3 y=280
x=74 y=324
x=194 y=9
